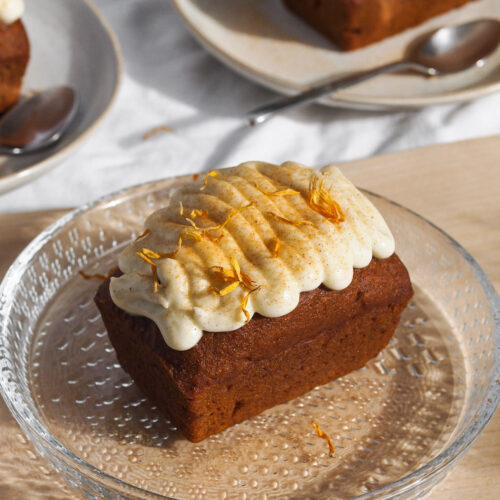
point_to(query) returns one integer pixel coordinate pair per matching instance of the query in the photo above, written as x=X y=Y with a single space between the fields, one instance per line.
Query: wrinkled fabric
x=170 y=80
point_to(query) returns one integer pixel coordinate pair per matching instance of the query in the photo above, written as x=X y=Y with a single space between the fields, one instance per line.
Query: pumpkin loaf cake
x=352 y=24
x=14 y=52
x=250 y=288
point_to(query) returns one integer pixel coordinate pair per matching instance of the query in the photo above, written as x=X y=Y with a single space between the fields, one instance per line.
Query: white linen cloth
x=170 y=80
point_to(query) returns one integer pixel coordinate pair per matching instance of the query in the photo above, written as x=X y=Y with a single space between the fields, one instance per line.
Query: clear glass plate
x=398 y=424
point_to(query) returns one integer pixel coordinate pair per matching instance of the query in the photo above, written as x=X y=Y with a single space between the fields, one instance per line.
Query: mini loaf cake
x=14 y=52
x=352 y=24
x=250 y=288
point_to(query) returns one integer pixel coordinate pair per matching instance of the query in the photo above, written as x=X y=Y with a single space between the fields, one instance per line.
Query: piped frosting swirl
x=247 y=239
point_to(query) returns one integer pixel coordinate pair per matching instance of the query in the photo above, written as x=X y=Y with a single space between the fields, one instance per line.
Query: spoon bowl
x=456 y=48
x=38 y=122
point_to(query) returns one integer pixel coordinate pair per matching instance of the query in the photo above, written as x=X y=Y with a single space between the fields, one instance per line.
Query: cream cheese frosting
x=11 y=10
x=248 y=239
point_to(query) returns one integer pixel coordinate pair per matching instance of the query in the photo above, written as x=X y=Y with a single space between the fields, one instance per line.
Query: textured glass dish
x=398 y=424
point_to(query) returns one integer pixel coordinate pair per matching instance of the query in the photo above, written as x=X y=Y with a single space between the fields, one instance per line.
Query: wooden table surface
x=456 y=186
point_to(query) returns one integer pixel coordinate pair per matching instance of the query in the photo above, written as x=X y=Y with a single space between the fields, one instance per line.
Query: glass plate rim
x=35 y=430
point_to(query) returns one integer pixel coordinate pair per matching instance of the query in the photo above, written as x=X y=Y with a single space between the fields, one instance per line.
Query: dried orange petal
x=288 y=221
x=102 y=277
x=198 y=213
x=154 y=270
x=158 y=255
x=244 y=303
x=145 y=233
x=212 y=173
x=236 y=268
x=145 y=257
x=280 y=192
x=224 y=274
x=321 y=201
x=193 y=234
x=324 y=435
x=276 y=247
x=228 y=289
x=214 y=239
x=231 y=214
x=193 y=223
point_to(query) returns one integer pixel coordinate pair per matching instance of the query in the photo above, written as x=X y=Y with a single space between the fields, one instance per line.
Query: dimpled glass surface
x=397 y=424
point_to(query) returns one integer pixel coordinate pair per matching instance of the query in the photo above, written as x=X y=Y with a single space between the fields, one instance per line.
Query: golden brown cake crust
x=14 y=57
x=352 y=24
x=230 y=376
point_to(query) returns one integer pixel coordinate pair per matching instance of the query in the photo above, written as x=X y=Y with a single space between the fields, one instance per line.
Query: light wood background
x=457 y=186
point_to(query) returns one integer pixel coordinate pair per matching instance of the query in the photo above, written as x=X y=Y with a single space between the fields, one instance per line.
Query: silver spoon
x=37 y=122
x=447 y=50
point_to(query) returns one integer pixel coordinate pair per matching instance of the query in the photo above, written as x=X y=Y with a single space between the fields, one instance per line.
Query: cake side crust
x=352 y=24
x=231 y=376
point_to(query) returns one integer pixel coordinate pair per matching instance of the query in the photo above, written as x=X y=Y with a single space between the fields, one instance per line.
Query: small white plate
x=266 y=43
x=70 y=44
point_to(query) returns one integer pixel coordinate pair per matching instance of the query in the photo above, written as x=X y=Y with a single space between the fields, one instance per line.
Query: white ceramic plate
x=266 y=43
x=70 y=44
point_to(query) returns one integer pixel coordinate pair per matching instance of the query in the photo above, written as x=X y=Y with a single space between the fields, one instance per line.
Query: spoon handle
x=265 y=112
